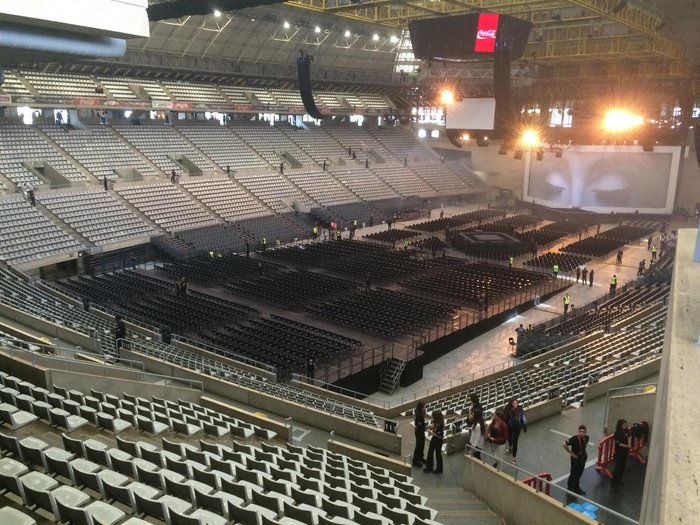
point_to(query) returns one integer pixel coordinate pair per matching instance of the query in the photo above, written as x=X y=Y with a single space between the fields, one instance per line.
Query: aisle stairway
x=457 y=507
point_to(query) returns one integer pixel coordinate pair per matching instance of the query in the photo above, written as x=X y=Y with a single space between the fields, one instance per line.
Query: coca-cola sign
x=486 y=33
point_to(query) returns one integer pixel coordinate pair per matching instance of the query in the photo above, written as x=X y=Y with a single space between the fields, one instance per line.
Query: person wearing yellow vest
x=315 y=231
x=613 y=284
x=264 y=243
x=211 y=253
x=653 y=253
x=555 y=270
x=567 y=302
x=510 y=261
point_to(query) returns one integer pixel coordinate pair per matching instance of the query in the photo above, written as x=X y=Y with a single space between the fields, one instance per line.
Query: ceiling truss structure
x=564 y=31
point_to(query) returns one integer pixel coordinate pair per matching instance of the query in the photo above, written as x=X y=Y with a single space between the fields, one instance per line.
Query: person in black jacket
x=419 y=422
x=575 y=446
x=622 y=450
x=119 y=334
x=437 y=433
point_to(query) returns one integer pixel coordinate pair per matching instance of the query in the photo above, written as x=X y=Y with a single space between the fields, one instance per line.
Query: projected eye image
x=608 y=180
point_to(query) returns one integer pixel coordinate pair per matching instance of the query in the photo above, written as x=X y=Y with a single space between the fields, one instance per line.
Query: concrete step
x=457 y=507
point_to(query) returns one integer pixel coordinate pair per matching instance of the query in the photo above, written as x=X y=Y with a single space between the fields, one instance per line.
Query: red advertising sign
x=486 y=33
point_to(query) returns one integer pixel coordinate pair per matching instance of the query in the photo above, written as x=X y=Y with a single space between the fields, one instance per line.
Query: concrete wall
x=632 y=376
x=632 y=407
x=369 y=457
x=516 y=503
x=673 y=469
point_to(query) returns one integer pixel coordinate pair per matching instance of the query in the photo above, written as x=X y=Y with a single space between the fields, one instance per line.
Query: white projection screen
x=471 y=114
x=605 y=179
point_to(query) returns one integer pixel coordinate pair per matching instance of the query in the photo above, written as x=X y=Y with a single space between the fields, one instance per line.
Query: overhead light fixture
x=347 y=33
x=394 y=39
x=217 y=13
x=286 y=25
x=375 y=37
x=317 y=29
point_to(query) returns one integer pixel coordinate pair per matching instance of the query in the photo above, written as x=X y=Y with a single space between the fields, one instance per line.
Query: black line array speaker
x=307 y=96
x=697 y=140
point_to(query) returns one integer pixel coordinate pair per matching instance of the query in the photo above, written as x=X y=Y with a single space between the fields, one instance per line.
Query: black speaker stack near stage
x=307 y=96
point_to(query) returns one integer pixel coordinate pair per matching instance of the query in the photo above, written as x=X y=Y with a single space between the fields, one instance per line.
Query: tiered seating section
x=20 y=143
x=160 y=143
x=274 y=190
x=225 y=198
x=99 y=150
x=96 y=215
x=34 y=301
x=220 y=145
x=27 y=235
x=566 y=373
x=165 y=205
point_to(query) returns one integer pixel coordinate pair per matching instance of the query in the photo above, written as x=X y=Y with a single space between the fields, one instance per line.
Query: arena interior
x=241 y=240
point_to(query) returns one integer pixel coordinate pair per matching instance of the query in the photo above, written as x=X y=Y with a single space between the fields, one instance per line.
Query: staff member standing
x=575 y=446
x=622 y=450
x=419 y=423
x=437 y=431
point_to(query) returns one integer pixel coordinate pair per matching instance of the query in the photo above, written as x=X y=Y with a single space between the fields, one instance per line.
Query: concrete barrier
x=515 y=502
x=372 y=458
x=259 y=420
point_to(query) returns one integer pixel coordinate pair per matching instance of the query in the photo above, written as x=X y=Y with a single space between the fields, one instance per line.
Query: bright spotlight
x=621 y=120
x=286 y=25
x=530 y=138
x=347 y=33
x=446 y=97
x=217 y=13
x=394 y=39
x=375 y=37
x=317 y=29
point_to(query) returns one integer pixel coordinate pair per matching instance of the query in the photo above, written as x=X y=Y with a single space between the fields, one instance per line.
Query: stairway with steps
x=457 y=507
x=391 y=375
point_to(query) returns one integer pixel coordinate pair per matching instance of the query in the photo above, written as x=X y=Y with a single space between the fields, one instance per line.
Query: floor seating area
x=215 y=270
x=27 y=235
x=280 y=342
x=310 y=255
x=466 y=283
x=390 y=265
x=290 y=289
x=384 y=312
x=549 y=233
x=608 y=241
x=567 y=262
x=95 y=215
x=33 y=300
x=457 y=221
x=391 y=236
x=166 y=205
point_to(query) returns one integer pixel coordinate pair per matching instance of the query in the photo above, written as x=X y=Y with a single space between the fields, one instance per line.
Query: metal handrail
x=570 y=496
x=227 y=354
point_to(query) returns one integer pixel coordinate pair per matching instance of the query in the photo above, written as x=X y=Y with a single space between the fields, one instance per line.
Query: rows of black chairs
x=310 y=255
x=391 y=235
x=285 y=345
x=220 y=268
x=627 y=233
x=388 y=265
x=291 y=288
x=566 y=261
x=469 y=283
x=546 y=235
x=456 y=221
x=384 y=312
x=111 y=287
